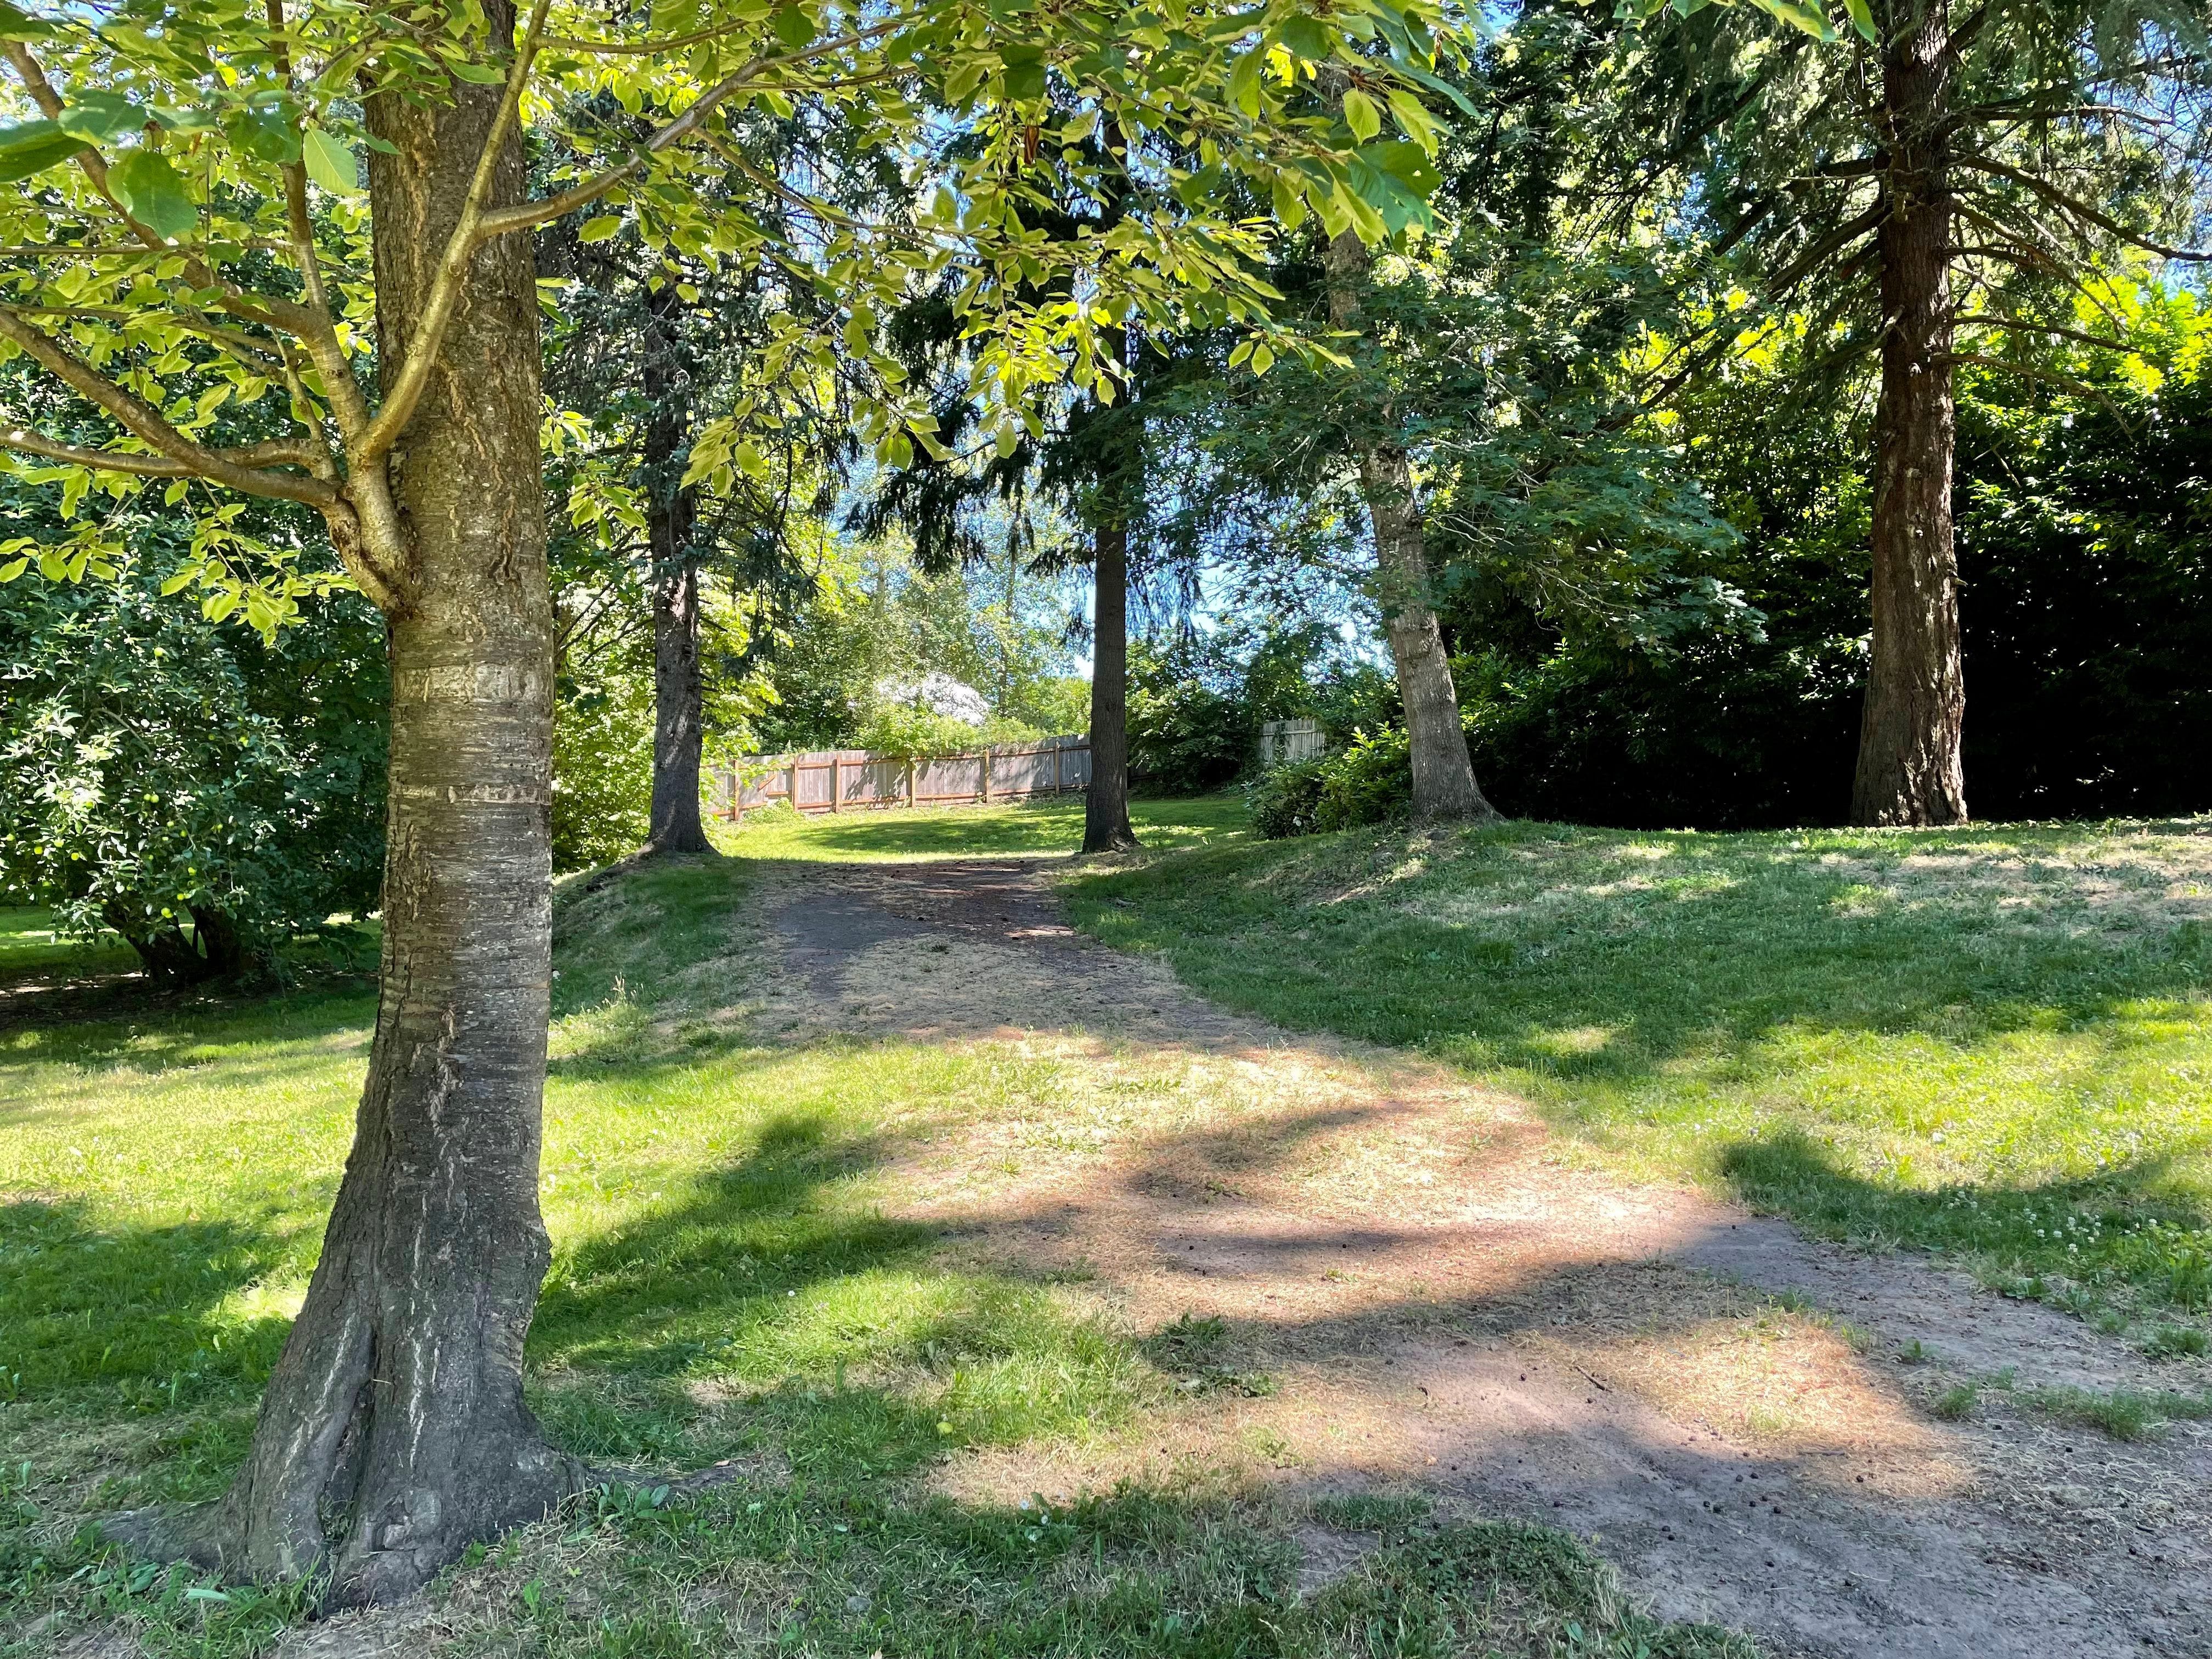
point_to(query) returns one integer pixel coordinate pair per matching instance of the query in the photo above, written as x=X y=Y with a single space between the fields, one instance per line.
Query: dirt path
x=1417 y=1287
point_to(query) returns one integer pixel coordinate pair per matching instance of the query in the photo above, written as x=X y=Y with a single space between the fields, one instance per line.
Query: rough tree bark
x=671 y=514
x=1908 y=767
x=1443 y=775
x=1106 y=807
x=393 y=1430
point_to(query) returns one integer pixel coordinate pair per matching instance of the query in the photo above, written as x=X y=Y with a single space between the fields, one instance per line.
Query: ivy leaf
x=331 y=163
x=153 y=192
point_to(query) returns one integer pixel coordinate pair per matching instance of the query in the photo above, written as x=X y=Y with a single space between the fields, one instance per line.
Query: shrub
x=602 y=765
x=202 y=794
x=1369 y=781
x=1185 y=736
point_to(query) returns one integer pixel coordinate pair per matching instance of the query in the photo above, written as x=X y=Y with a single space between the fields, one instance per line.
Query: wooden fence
x=1283 y=741
x=853 y=779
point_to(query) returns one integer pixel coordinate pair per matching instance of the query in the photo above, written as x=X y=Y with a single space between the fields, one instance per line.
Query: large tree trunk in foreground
x=393 y=1431
x=1443 y=776
x=1106 y=808
x=1909 y=769
x=671 y=516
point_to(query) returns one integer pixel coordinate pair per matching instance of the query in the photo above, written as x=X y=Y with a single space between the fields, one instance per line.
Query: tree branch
x=525 y=215
x=2058 y=198
x=370 y=448
x=1983 y=319
x=146 y=425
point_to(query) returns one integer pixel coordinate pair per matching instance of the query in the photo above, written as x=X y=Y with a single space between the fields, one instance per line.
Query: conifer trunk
x=1106 y=807
x=1909 y=766
x=672 y=515
x=1444 y=788
x=393 y=1430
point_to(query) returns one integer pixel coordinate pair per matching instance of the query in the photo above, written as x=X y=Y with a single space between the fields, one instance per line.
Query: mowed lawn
x=1997 y=1041
x=726 y=1284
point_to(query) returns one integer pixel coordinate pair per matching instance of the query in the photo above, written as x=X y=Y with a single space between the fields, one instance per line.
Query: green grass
x=725 y=1284
x=1993 y=1042
x=32 y=952
x=1045 y=826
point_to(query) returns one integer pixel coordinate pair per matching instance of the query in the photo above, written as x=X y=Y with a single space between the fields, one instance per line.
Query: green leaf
x=1244 y=80
x=1863 y=19
x=1361 y=115
x=1024 y=69
x=183 y=579
x=24 y=135
x=16 y=24
x=1808 y=18
x=479 y=74
x=96 y=117
x=331 y=163
x=14 y=568
x=598 y=229
x=154 y=193
x=21 y=162
x=792 y=27
x=1405 y=162
x=1305 y=37
x=262 y=134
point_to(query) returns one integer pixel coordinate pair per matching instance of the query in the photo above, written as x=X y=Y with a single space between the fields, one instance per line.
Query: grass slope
x=725 y=1286
x=1996 y=1042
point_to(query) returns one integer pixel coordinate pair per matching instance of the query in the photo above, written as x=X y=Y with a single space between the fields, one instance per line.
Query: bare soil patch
x=1384 y=1278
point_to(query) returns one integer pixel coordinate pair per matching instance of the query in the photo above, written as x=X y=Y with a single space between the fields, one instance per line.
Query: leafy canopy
x=193 y=201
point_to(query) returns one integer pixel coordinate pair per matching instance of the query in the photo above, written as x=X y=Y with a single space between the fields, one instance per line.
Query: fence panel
x=853 y=779
x=1283 y=741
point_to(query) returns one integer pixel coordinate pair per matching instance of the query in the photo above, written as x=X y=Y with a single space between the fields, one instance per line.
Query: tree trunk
x=1443 y=775
x=393 y=1430
x=1909 y=769
x=671 y=514
x=1106 y=807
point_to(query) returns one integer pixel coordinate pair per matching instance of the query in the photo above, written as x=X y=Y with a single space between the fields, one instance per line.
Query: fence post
x=909 y=783
x=836 y=785
x=986 y=777
x=1058 y=787
x=791 y=784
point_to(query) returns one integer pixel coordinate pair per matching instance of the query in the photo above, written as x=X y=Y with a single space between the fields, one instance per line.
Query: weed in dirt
x=1956 y=1403
x=1914 y=1353
x=2176 y=1341
x=2124 y=1414
x=1993 y=1042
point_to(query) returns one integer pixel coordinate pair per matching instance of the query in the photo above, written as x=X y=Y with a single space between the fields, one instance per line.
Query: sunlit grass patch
x=1046 y=825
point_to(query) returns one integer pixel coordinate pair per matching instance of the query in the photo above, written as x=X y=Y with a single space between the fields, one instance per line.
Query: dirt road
x=1418 y=1286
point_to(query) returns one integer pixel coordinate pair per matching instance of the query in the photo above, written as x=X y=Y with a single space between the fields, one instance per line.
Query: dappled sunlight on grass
x=2017 y=1014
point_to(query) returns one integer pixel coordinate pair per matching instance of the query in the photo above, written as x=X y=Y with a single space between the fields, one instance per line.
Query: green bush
x=602 y=765
x=202 y=793
x=1186 y=736
x=1369 y=781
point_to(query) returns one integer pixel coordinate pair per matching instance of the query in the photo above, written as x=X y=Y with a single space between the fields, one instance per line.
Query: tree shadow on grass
x=135 y=1310
x=2126 y=1223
